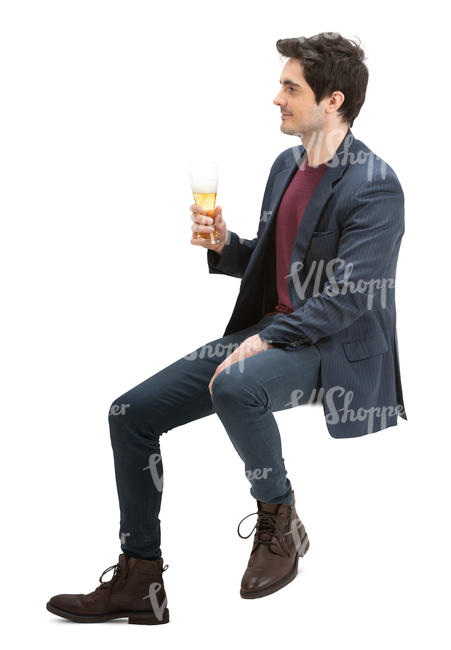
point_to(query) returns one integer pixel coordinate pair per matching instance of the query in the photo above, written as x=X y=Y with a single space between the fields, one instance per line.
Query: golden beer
x=204 y=185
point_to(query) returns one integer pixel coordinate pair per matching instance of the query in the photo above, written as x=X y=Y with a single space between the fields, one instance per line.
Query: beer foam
x=204 y=185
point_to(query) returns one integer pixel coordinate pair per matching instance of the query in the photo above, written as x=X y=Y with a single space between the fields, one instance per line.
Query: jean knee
x=227 y=386
x=118 y=408
x=129 y=417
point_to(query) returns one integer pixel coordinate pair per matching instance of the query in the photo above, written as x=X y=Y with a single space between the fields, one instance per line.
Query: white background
x=102 y=106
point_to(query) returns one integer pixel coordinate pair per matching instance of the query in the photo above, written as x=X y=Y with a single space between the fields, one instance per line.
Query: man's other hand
x=250 y=346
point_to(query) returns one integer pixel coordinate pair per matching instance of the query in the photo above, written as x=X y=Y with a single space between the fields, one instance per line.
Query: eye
x=291 y=88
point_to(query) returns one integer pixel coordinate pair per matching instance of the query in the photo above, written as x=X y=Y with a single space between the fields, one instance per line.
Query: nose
x=278 y=101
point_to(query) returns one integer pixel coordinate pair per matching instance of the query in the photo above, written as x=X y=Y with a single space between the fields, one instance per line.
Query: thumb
x=218 y=213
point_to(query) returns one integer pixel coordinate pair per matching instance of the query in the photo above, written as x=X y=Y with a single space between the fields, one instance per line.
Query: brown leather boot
x=280 y=539
x=135 y=591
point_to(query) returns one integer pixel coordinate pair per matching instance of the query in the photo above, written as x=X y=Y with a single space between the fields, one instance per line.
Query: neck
x=322 y=144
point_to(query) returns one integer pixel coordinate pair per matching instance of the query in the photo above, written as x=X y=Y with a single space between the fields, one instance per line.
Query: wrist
x=265 y=345
x=220 y=247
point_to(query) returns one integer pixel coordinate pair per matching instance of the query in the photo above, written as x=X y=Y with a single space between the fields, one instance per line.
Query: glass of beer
x=203 y=176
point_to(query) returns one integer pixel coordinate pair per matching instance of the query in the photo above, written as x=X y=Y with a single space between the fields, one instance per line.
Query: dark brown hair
x=331 y=62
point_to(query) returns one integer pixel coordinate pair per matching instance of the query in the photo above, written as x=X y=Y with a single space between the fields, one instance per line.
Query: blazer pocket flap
x=365 y=348
x=324 y=233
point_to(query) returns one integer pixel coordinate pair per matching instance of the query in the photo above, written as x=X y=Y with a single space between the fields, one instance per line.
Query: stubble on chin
x=290 y=131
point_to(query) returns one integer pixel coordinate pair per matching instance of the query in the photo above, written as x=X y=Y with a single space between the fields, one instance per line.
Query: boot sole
x=136 y=618
x=259 y=593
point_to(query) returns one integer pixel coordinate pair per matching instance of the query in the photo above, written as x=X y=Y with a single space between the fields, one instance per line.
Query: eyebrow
x=287 y=82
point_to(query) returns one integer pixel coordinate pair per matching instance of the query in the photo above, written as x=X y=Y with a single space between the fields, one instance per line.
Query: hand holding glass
x=203 y=176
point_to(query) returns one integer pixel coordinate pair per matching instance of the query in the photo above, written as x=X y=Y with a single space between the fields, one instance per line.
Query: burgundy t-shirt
x=288 y=219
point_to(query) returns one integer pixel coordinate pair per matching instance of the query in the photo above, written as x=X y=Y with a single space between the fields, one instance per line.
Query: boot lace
x=266 y=527
x=120 y=569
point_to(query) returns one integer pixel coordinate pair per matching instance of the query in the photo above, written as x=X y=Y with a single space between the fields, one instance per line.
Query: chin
x=288 y=131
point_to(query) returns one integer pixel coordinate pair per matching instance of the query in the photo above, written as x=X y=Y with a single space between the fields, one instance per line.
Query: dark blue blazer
x=341 y=283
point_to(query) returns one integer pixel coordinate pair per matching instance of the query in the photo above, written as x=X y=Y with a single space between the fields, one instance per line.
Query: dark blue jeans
x=244 y=397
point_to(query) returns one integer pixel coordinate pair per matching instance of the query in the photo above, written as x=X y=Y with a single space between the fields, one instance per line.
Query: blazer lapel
x=318 y=200
x=280 y=184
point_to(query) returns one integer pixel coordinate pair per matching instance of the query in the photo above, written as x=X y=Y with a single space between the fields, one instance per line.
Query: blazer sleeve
x=373 y=226
x=234 y=258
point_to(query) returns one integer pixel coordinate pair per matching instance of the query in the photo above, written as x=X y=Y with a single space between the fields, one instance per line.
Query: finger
x=197 y=218
x=197 y=209
x=210 y=385
x=198 y=228
x=198 y=240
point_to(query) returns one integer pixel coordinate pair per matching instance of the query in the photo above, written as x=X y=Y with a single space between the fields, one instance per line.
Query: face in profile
x=300 y=114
